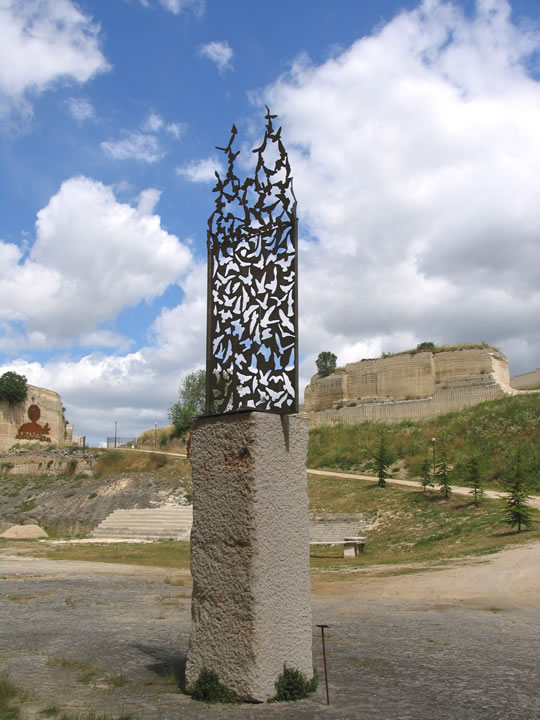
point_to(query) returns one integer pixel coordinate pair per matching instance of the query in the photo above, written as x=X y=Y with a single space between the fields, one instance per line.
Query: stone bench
x=352 y=546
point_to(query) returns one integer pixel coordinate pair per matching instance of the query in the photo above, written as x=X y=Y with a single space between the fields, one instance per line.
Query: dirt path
x=505 y=580
x=458 y=490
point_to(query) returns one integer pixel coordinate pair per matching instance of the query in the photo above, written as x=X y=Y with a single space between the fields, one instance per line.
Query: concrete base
x=251 y=610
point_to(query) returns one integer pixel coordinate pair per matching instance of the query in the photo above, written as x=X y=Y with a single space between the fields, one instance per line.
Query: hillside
x=491 y=431
x=87 y=486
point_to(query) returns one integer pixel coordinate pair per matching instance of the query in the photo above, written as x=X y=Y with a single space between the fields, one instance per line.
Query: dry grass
x=159 y=554
x=408 y=526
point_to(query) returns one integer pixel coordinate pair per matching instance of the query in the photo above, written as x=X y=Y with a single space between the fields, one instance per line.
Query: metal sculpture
x=252 y=350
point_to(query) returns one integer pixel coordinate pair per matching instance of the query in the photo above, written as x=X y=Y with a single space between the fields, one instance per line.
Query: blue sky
x=412 y=130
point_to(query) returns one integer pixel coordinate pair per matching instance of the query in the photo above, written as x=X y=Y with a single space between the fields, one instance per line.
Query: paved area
x=428 y=646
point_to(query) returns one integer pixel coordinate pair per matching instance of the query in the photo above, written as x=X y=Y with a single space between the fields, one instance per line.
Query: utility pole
x=115 y=435
x=433 y=440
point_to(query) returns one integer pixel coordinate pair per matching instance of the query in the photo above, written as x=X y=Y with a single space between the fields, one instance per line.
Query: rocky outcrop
x=408 y=386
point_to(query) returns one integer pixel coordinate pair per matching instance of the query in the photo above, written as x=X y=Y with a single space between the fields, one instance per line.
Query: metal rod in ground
x=324 y=661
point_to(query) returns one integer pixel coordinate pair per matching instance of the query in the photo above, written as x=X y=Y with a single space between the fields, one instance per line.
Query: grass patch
x=26 y=506
x=166 y=554
x=94 y=716
x=116 y=680
x=10 y=697
x=115 y=462
x=490 y=431
x=50 y=711
x=409 y=526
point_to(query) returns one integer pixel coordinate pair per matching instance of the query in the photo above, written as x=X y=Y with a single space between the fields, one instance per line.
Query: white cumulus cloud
x=144 y=144
x=93 y=257
x=219 y=53
x=134 y=145
x=44 y=42
x=416 y=158
x=201 y=171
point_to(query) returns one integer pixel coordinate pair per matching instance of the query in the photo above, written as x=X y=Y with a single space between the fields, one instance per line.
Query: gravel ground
x=429 y=646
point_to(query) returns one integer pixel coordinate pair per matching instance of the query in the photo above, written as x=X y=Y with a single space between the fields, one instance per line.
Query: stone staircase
x=163 y=523
x=174 y=522
x=332 y=528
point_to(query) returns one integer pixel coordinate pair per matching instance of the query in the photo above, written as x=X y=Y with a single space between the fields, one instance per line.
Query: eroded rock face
x=59 y=489
x=429 y=383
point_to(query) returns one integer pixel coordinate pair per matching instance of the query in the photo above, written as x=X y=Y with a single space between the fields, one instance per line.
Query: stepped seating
x=163 y=523
x=174 y=523
x=333 y=529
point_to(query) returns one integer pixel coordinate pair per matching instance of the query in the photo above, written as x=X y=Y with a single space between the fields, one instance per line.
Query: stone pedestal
x=251 y=610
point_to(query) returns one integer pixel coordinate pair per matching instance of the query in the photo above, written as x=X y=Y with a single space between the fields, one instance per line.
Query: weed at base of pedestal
x=208 y=688
x=294 y=685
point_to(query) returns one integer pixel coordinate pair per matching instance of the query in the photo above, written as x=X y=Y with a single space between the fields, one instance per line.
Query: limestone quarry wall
x=442 y=401
x=409 y=386
x=402 y=376
x=47 y=428
x=526 y=381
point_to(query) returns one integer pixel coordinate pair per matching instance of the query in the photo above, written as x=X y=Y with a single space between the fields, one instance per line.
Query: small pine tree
x=516 y=501
x=474 y=480
x=382 y=461
x=427 y=480
x=443 y=474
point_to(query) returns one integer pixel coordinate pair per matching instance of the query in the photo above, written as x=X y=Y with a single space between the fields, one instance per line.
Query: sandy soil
x=508 y=579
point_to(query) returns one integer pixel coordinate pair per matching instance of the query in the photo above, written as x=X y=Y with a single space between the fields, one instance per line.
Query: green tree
x=326 y=363
x=474 y=480
x=427 y=480
x=382 y=460
x=190 y=403
x=443 y=474
x=517 y=511
x=13 y=387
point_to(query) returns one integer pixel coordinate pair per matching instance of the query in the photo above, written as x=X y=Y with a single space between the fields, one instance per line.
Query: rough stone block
x=251 y=610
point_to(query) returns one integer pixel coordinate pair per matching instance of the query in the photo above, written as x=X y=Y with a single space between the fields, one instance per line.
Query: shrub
x=208 y=688
x=294 y=685
x=326 y=363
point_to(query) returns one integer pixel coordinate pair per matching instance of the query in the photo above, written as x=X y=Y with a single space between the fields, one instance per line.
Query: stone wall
x=409 y=386
x=45 y=427
x=527 y=381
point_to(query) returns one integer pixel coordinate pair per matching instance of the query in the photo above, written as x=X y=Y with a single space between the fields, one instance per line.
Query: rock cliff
x=408 y=385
